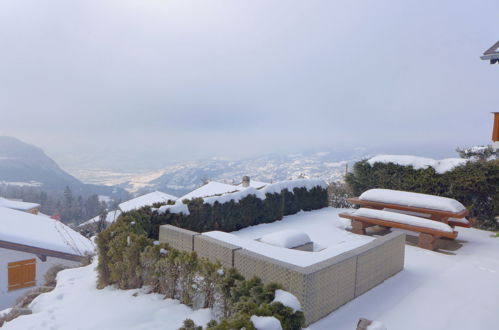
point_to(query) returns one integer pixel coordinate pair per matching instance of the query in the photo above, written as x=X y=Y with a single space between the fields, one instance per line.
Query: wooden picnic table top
x=437 y=214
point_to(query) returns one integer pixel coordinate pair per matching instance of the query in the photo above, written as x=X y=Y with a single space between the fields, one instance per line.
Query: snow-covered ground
x=75 y=304
x=455 y=290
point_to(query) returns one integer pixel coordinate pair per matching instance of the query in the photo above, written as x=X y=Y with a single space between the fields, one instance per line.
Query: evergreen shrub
x=475 y=184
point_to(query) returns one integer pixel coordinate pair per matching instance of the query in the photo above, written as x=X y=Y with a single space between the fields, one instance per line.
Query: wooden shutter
x=495 y=132
x=22 y=274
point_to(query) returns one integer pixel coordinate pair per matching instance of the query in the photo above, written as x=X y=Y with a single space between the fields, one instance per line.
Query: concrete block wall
x=215 y=250
x=177 y=238
x=322 y=287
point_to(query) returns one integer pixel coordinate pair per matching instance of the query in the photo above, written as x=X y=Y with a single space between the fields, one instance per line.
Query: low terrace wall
x=322 y=287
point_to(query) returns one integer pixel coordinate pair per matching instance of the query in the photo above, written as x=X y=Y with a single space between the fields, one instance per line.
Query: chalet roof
x=492 y=54
x=212 y=188
x=146 y=200
x=41 y=235
x=17 y=205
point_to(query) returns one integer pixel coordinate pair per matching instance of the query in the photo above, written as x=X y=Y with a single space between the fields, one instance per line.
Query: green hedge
x=474 y=184
x=129 y=259
x=231 y=216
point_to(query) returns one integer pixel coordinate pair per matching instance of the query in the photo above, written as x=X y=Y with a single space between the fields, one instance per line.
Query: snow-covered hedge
x=473 y=183
x=244 y=208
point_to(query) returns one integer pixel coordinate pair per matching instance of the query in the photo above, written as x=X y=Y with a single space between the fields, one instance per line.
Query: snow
x=178 y=207
x=273 y=188
x=287 y=299
x=412 y=199
x=42 y=232
x=330 y=238
x=455 y=289
x=146 y=200
x=286 y=238
x=265 y=322
x=5 y=312
x=210 y=189
x=440 y=166
x=111 y=217
x=255 y=184
x=376 y=325
x=17 y=205
x=452 y=289
x=75 y=303
x=402 y=218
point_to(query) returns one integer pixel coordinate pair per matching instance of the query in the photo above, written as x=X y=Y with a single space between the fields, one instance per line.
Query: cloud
x=122 y=81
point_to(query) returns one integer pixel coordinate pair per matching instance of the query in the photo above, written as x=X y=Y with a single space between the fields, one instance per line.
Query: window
x=22 y=274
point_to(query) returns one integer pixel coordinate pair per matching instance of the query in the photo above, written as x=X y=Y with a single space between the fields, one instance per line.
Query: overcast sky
x=127 y=81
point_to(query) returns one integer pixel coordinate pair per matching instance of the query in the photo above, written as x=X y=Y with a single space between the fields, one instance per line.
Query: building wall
x=9 y=298
x=322 y=287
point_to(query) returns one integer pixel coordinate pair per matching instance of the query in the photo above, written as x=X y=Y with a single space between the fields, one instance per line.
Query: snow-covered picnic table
x=443 y=209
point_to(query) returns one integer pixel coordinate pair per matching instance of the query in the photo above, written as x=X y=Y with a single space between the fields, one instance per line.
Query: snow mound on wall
x=402 y=218
x=412 y=199
x=287 y=299
x=265 y=323
x=288 y=238
x=440 y=166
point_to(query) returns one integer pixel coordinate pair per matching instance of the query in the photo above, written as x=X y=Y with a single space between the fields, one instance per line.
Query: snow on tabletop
x=402 y=218
x=324 y=227
x=440 y=166
x=76 y=303
x=273 y=188
x=376 y=325
x=287 y=299
x=42 y=232
x=286 y=238
x=146 y=200
x=210 y=189
x=412 y=199
x=265 y=323
x=111 y=217
x=178 y=207
x=17 y=205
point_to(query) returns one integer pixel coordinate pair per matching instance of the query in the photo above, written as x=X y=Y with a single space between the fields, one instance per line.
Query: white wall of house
x=9 y=298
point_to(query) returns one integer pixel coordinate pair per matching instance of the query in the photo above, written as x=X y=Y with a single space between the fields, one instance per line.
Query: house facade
x=29 y=246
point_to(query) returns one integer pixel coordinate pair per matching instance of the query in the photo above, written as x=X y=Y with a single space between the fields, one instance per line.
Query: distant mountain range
x=184 y=177
x=23 y=164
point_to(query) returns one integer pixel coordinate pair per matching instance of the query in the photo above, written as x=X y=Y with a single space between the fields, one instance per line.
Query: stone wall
x=322 y=287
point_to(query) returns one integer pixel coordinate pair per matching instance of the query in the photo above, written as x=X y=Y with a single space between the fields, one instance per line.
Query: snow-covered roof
x=41 y=232
x=440 y=166
x=402 y=218
x=146 y=200
x=17 y=205
x=277 y=187
x=412 y=199
x=110 y=218
x=212 y=188
x=255 y=184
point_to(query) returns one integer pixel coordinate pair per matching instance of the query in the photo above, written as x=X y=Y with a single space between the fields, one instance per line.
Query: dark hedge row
x=231 y=216
x=475 y=184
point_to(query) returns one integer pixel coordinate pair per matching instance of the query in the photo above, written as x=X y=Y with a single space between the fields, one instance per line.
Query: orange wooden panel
x=22 y=274
x=495 y=131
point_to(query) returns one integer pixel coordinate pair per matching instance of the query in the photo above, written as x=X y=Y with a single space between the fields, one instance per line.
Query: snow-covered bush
x=129 y=259
x=474 y=184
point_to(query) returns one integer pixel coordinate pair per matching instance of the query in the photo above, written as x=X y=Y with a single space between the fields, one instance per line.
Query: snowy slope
x=76 y=304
